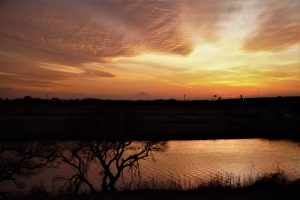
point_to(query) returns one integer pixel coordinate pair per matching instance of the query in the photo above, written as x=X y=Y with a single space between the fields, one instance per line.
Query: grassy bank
x=36 y=119
x=272 y=186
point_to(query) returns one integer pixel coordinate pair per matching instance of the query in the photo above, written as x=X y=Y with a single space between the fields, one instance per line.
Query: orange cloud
x=34 y=33
x=89 y=30
x=278 y=27
x=20 y=72
x=84 y=31
x=159 y=46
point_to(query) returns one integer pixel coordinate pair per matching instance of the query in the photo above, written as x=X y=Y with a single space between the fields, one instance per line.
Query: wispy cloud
x=102 y=45
x=278 y=27
x=83 y=31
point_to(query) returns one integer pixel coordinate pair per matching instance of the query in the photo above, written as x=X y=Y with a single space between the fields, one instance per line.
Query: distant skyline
x=149 y=48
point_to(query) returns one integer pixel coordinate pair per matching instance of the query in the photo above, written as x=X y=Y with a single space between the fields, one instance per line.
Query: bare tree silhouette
x=120 y=155
x=113 y=158
x=77 y=156
x=24 y=159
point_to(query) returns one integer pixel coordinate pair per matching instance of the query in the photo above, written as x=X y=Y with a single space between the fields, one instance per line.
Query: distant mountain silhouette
x=142 y=96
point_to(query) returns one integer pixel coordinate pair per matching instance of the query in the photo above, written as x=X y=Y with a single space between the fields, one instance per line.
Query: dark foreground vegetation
x=271 y=186
x=40 y=119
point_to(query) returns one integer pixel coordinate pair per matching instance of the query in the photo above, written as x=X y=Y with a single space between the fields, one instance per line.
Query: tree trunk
x=104 y=187
x=112 y=185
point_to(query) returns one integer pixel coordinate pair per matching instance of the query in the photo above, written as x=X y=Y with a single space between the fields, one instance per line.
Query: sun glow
x=166 y=49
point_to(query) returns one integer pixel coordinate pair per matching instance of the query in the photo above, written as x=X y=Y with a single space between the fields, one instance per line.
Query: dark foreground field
x=272 y=186
x=36 y=119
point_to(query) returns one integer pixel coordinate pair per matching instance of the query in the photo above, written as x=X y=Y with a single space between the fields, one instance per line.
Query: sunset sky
x=165 y=48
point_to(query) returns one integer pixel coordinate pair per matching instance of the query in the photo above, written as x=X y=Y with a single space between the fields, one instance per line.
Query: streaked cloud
x=163 y=47
x=278 y=27
x=82 y=31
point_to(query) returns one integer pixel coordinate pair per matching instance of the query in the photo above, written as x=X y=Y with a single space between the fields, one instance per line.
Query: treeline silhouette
x=253 y=100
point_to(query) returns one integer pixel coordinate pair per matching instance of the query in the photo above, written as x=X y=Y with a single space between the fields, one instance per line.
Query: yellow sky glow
x=112 y=49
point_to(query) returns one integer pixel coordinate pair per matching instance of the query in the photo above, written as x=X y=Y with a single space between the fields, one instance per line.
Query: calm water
x=189 y=162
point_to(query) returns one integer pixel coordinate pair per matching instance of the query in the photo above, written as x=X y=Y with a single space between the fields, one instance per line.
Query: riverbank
x=271 y=186
x=89 y=119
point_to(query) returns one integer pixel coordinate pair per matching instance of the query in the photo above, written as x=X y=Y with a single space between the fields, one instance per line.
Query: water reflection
x=189 y=162
x=111 y=159
x=102 y=165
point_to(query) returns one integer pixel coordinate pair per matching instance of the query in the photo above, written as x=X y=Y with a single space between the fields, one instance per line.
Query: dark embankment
x=37 y=119
x=272 y=186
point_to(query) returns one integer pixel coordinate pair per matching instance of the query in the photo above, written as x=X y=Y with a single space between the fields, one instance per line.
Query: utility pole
x=184 y=97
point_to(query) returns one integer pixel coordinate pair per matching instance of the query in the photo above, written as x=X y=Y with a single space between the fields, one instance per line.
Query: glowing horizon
x=116 y=49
